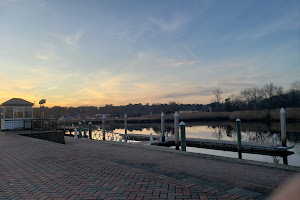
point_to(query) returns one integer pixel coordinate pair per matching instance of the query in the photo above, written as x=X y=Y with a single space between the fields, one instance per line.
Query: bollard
x=103 y=127
x=90 y=130
x=283 y=127
x=166 y=134
x=239 y=136
x=274 y=139
x=176 y=129
x=163 y=126
x=79 y=134
x=72 y=125
x=75 y=133
x=183 y=138
x=151 y=137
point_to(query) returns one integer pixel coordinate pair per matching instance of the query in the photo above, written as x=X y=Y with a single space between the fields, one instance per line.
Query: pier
x=90 y=169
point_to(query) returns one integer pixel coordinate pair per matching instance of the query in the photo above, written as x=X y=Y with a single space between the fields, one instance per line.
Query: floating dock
x=247 y=147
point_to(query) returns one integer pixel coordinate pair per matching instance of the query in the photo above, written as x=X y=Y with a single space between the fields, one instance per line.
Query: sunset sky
x=76 y=53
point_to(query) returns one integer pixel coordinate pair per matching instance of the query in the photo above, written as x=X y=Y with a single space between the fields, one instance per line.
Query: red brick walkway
x=84 y=169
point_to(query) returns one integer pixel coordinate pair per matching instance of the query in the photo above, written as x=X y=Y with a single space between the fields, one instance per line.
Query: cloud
x=190 y=91
x=171 y=25
x=154 y=60
x=73 y=39
x=42 y=57
x=287 y=22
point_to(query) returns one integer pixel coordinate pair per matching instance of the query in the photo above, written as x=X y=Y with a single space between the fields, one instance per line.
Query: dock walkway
x=88 y=169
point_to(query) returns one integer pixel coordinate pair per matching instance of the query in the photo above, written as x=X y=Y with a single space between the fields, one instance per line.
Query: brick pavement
x=85 y=169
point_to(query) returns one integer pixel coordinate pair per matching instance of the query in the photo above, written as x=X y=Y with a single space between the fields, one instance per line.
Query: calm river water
x=251 y=132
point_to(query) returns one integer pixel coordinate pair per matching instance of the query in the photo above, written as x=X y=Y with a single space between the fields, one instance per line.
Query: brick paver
x=85 y=169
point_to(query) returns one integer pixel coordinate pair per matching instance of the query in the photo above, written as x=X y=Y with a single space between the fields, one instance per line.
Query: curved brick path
x=85 y=169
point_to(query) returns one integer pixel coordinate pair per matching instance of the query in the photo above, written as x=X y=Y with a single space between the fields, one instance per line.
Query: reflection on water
x=253 y=132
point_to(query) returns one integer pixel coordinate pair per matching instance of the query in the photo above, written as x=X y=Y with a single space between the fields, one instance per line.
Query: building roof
x=17 y=102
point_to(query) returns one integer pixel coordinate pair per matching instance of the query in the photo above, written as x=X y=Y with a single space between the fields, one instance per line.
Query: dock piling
x=283 y=127
x=75 y=133
x=125 y=123
x=103 y=127
x=163 y=139
x=79 y=134
x=166 y=134
x=239 y=136
x=183 y=137
x=90 y=130
x=274 y=140
x=176 y=129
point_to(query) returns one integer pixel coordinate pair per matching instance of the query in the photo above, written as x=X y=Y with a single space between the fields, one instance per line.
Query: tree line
x=269 y=96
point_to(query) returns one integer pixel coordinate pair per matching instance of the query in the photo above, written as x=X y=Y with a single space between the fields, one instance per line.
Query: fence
x=31 y=125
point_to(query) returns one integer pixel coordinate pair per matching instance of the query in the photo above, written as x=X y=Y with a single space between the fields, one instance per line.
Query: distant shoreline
x=292 y=114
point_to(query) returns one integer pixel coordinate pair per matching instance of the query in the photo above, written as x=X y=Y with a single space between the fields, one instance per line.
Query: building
x=17 y=114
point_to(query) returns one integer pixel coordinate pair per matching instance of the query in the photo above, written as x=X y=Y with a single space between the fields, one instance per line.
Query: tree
x=271 y=90
x=295 y=86
x=217 y=92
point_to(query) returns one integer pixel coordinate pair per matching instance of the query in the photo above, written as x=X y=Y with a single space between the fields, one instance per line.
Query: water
x=252 y=132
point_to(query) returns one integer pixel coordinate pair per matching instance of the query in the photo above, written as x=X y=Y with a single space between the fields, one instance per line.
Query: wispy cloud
x=287 y=22
x=148 y=58
x=42 y=57
x=73 y=38
x=171 y=25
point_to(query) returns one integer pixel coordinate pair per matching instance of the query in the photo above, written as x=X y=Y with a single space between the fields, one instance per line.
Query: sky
x=78 y=53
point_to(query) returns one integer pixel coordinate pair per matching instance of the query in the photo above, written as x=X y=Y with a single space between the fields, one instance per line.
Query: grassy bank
x=292 y=114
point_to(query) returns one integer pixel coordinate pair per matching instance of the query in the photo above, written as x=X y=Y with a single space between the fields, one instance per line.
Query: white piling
x=160 y=137
x=176 y=129
x=283 y=127
x=166 y=134
x=274 y=140
x=163 y=126
x=75 y=133
x=151 y=137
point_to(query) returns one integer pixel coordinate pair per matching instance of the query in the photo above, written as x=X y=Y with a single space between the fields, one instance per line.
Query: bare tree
x=271 y=90
x=217 y=92
x=295 y=86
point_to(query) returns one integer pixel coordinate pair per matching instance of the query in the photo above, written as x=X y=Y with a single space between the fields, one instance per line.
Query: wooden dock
x=254 y=148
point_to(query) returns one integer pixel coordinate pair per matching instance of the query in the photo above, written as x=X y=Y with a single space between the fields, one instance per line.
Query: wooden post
x=163 y=139
x=79 y=134
x=125 y=123
x=90 y=130
x=103 y=127
x=176 y=129
x=84 y=133
x=239 y=136
x=283 y=127
x=183 y=138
